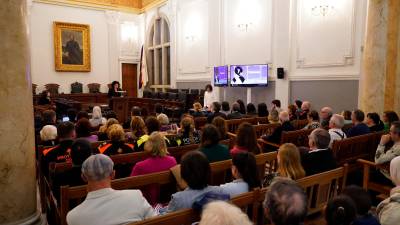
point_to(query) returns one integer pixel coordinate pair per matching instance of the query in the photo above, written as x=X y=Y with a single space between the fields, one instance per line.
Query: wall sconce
x=323 y=9
x=244 y=26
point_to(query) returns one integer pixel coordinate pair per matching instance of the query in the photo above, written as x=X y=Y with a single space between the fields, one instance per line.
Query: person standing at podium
x=115 y=90
x=208 y=97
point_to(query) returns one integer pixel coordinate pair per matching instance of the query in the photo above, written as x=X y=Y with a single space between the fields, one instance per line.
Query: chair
x=163 y=95
x=76 y=88
x=202 y=91
x=182 y=96
x=94 y=88
x=146 y=94
x=52 y=88
x=194 y=91
x=34 y=86
x=186 y=91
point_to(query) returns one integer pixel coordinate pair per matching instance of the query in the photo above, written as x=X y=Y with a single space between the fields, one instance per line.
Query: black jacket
x=275 y=137
x=211 y=116
x=57 y=154
x=235 y=115
x=318 y=161
x=112 y=93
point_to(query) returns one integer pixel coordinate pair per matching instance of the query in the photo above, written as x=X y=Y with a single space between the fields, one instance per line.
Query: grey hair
x=97 y=167
x=163 y=119
x=338 y=120
x=219 y=212
x=321 y=138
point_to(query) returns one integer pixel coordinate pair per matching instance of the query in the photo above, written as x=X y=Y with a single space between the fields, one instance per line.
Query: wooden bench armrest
x=264 y=142
x=231 y=135
x=367 y=163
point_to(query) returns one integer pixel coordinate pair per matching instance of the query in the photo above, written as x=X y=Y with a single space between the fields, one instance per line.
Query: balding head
x=285 y=203
x=319 y=139
x=219 y=212
x=336 y=121
x=306 y=106
x=284 y=116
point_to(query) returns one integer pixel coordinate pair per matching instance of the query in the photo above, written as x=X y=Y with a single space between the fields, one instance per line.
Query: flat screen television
x=249 y=75
x=221 y=76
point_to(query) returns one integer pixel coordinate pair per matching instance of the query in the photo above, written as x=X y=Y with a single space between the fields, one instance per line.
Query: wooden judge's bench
x=122 y=106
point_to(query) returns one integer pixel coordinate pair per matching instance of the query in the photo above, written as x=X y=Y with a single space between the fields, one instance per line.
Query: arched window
x=159 y=54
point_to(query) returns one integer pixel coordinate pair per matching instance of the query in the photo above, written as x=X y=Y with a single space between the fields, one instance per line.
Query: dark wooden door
x=129 y=79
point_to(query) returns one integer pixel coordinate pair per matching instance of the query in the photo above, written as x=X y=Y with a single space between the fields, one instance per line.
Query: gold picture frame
x=71 y=47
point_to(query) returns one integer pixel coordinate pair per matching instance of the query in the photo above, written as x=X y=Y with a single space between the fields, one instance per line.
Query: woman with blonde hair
x=138 y=128
x=197 y=110
x=289 y=164
x=103 y=129
x=117 y=144
x=187 y=133
x=97 y=118
x=48 y=135
x=158 y=161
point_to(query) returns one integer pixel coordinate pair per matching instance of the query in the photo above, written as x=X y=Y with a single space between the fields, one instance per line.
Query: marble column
x=18 y=203
x=380 y=81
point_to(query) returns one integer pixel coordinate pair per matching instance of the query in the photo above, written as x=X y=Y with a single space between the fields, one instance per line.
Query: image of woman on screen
x=238 y=75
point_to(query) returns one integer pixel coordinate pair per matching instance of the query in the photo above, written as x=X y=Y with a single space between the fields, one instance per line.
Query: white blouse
x=208 y=99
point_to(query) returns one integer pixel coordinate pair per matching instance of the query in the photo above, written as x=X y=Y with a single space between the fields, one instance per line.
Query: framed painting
x=72 y=47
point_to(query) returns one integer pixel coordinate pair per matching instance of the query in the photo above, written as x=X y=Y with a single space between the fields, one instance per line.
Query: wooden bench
x=369 y=184
x=349 y=150
x=298 y=138
x=265 y=129
x=200 y=122
x=77 y=194
x=232 y=125
x=262 y=120
x=299 y=124
x=320 y=187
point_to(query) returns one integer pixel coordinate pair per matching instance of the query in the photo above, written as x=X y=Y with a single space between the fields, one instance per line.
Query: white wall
x=282 y=33
x=106 y=44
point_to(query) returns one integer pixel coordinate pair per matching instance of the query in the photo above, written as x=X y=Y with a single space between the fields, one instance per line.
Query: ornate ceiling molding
x=130 y=6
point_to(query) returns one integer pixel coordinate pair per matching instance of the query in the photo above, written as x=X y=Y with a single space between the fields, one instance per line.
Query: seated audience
x=97 y=117
x=359 y=127
x=340 y=210
x=197 y=110
x=164 y=123
x=292 y=112
x=44 y=98
x=246 y=140
x=210 y=145
x=104 y=205
x=187 y=133
x=388 y=210
x=382 y=155
x=298 y=104
x=273 y=117
x=117 y=144
x=251 y=110
x=61 y=152
x=83 y=128
x=159 y=109
x=289 y=164
x=285 y=203
x=215 y=111
x=219 y=123
x=103 y=130
x=363 y=203
x=374 y=122
x=313 y=120
x=152 y=124
x=276 y=105
x=242 y=107
x=326 y=114
x=347 y=117
x=159 y=161
x=335 y=128
x=235 y=114
x=82 y=114
x=388 y=118
x=138 y=130
x=195 y=171
x=275 y=137
x=80 y=151
x=245 y=174
x=225 y=109
x=319 y=158
x=135 y=111
x=49 y=118
x=48 y=135
x=305 y=109
x=223 y=213
x=71 y=114
x=262 y=110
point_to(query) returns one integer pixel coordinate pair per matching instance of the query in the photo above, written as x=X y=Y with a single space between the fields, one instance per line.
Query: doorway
x=129 y=79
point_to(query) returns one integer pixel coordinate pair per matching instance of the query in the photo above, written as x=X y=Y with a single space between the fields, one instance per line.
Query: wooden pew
x=360 y=147
x=299 y=124
x=320 y=187
x=265 y=129
x=77 y=194
x=251 y=120
x=200 y=122
x=298 y=138
x=262 y=120
x=232 y=125
x=368 y=184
